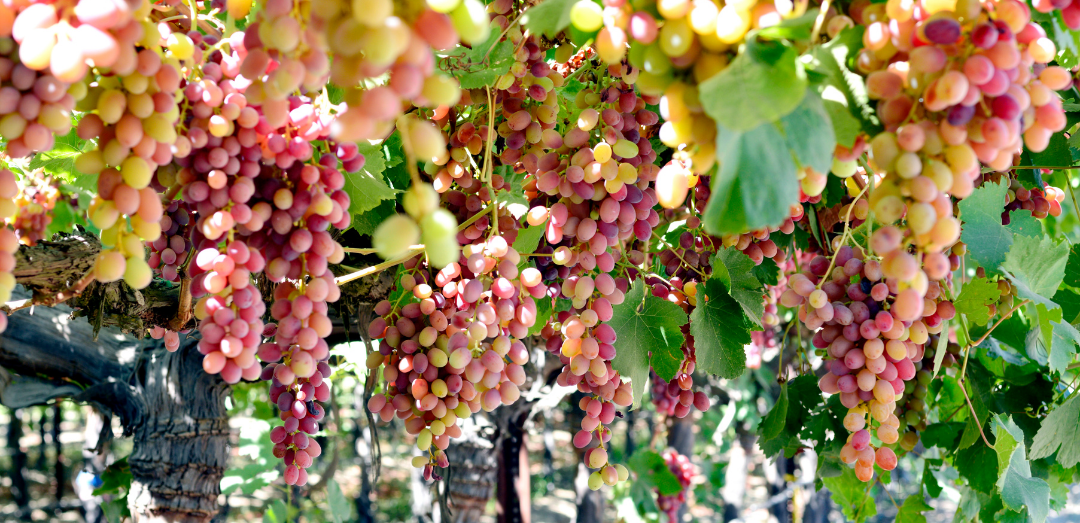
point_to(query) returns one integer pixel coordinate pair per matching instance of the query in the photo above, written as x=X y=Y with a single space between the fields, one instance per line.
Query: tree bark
x=174 y=409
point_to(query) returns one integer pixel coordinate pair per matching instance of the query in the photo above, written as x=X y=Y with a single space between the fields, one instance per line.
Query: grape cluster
x=170 y=251
x=299 y=400
x=9 y=240
x=454 y=349
x=282 y=55
x=170 y=337
x=36 y=199
x=875 y=332
x=680 y=466
x=1040 y=202
x=370 y=38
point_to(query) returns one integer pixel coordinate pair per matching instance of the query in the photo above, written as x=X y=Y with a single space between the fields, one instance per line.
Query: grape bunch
x=454 y=348
x=9 y=240
x=875 y=334
x=36 y=199
x=171 y=338
x=370 y=38
x=230 y=313
x=170 y=251
x=299 y=399
x=282 y=55
x=1041 y=202
x=680 y=466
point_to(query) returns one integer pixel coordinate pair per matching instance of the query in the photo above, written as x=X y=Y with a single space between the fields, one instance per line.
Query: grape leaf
x=653 y=471
x=60 y=160
x=529 y=238
x=782 y=426
x=929 y=480
x=483 y=63
x=1072 y=268
x=276 y=512
x=912 y=510
x=977 y=385
x=942 y=435
x=1036 y=267
x=512 y=195
x=762 y=84
x=757 y=182
x=648 y=336
x=1058 y=434
x=772 y=425
x=843 y=91
x=367 y=187
x=988 y=241
x=974 y=299
x=1019 y=489
x=365 y=223
x=340 y=508
x=735 y=270
x=978 y=465
x=1064 y=339
x=767 y=272
x=720 y=329
x=549 y=17
x=852 y=495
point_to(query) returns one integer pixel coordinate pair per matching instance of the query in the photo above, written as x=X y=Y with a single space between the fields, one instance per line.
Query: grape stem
x=488 y=171
x=974 y=415
x=844 y=237
x=882 y=484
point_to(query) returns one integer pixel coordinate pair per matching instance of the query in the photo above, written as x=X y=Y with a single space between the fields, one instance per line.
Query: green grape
x=471 y=21
x=443 y=6
x=137 y=274
x=394 y=236
x=420 y=200
x=443 y=251
x=563 y=53
x=587 y=16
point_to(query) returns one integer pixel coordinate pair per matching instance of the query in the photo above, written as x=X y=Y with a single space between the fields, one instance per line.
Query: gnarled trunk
x=175 y=410
x=181 y=439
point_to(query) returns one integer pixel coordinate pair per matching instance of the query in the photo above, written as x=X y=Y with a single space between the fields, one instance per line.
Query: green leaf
x=276 y=512
x=1058 y=434
x=1063 y=342
x=929 y=480
x=649 y=335
x=1036 y=267
x=974 y=299
x=548 y=18
x=340 y=508
x=720 y=329
x=654 y=472
x=798 y=28
x=365 y=223
x=1056 y=152
x=512 y=195
x=976 y=386
x=843 y=91
x=528 y=239
x=772 y=425
x=484 y=63
x=760 y=86
x=735 y=270
x=940 y=348
x=912 y=509
x=1019 y=489
x=60 y=160
x=942 y=435
x=116 y=477
x=1072 y=268
x=543 y=314
x=767 y=272
x=988 y=241
x=852 y=495
x=758 y=180
x=977 y=464
x=367 y=187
